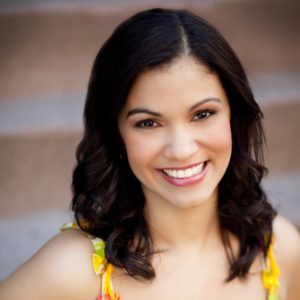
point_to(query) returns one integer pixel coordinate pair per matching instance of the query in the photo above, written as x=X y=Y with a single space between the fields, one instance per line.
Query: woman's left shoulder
x=287 y=237
x=287 y=252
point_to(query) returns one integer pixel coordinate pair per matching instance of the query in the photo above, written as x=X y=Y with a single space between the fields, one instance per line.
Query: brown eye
x=146 y=124
x=204 y=114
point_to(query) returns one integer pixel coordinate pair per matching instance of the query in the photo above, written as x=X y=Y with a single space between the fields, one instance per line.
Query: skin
x=179 y=137
x=191 y=125
x=182 y=219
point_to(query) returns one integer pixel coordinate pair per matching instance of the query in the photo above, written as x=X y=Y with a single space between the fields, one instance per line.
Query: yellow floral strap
x=70 y=225
x=101 y=266
x=107 y=286
x=99 y=260
x=271 y=273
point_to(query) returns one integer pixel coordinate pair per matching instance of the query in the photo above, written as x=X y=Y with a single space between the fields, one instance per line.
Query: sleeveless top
x=270 y=273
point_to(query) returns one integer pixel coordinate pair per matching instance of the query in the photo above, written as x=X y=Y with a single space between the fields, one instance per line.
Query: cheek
x=220 y=139
x=223 y=140
x=140 y=150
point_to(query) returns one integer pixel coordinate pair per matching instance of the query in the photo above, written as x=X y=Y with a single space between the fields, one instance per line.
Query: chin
x=187 y=202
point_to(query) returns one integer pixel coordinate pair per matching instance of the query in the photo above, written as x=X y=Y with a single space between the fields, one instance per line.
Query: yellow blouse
x=270 y=274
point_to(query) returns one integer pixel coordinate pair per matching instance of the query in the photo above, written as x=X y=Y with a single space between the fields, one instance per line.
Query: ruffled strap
x=100 y=265
x=271 y=273
x=107 y=286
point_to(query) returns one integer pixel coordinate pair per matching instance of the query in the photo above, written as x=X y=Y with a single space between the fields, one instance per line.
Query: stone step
x=50 y=51
x=36 y=171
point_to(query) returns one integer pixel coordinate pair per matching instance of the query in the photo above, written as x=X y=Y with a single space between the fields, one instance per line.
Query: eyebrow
x=156 y=114
x=201 y=102
x=143 y=111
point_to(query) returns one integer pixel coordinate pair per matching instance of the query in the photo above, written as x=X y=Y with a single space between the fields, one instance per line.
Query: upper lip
x=183 y=168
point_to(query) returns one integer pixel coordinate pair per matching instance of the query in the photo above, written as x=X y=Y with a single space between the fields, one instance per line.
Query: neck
x=174 y=227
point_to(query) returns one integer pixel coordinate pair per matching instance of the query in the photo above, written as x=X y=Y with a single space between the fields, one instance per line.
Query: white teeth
x=185 y=173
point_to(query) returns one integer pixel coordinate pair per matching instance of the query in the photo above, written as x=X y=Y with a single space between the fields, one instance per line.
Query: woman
x=168 y=174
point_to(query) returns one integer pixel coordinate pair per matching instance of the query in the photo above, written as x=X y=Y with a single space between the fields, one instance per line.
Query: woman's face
x=176 y=129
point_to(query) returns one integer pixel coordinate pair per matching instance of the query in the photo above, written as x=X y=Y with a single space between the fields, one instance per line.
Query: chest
x=191 y=282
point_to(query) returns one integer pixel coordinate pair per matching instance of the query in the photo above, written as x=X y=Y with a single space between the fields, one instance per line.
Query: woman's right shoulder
x=61 y=269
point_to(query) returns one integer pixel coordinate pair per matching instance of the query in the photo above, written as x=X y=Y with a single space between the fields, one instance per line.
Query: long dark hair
x=108 y=197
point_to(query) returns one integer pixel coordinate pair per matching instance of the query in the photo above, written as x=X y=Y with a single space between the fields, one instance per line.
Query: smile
x=185 y=173
x=187 y=176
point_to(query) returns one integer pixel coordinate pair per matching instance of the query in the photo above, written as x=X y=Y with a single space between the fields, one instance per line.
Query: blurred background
x=47 y=48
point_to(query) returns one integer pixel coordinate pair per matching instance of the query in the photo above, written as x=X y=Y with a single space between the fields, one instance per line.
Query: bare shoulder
x=287 y=236
x=288 y=254
x=61 y=269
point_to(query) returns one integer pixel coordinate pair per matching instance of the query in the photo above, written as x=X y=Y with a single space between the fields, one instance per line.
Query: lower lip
x=186 y=181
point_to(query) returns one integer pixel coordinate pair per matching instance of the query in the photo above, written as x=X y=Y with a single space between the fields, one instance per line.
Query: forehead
x=182 y=82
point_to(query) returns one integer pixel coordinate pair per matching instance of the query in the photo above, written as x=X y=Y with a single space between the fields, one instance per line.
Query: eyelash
x=150 y=123
x=141 y=124
x=208 y=113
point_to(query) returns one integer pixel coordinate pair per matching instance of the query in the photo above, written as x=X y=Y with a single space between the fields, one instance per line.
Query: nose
x=181 y=144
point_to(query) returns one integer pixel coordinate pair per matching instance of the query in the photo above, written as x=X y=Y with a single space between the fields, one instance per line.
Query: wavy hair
x=107 y=195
